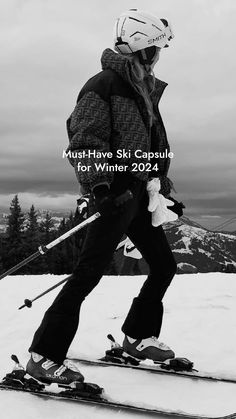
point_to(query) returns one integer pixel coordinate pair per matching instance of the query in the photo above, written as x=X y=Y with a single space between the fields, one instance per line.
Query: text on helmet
x=151 y=41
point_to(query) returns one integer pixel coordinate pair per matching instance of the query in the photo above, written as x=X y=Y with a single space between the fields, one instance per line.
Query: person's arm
x=89 y=129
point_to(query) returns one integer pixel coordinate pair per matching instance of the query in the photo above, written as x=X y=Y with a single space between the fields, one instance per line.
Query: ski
x=87 y=393
x=156 y=369
x=117 y=357
x=73 y=395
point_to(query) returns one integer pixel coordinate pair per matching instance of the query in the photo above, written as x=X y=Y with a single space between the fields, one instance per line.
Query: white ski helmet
x=136 y=30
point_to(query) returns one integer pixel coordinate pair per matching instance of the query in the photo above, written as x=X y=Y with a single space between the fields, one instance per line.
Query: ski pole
x=127 y=195
x=44 y=249
x=28 y=303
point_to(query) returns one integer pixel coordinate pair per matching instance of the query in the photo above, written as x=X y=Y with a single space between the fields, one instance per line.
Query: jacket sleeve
x=89 y=130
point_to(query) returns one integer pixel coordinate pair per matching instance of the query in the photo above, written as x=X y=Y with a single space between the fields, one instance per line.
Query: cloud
x=210 y=216
x=57 y=202
x=48 y=51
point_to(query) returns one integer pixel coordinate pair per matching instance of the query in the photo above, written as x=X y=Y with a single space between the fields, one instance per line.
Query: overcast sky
x=48 y=50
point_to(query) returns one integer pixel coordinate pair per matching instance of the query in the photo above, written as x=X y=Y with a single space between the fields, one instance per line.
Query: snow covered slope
x=199 y=323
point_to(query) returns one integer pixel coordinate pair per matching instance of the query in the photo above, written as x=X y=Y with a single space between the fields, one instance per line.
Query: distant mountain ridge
x=205 y=250
x=195 y=248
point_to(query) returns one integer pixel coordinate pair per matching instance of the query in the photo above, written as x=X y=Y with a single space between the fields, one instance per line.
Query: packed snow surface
x=199 y=323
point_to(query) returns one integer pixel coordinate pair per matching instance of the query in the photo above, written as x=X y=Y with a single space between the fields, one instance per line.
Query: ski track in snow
x=199 y=323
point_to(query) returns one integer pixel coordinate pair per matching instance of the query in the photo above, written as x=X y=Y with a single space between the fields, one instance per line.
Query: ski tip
x=15 y=359
x=110 y=337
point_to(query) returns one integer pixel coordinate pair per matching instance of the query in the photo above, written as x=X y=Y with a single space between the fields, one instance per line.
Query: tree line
x=25 y=233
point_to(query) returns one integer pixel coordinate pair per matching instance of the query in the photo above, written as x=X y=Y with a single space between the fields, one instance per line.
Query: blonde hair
x=143 y=84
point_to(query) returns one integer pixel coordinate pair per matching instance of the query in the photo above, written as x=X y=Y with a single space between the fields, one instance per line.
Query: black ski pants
x=60 y=322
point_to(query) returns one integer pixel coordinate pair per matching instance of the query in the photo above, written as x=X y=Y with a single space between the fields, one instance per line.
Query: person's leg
x=60 y=322
x=145 y=315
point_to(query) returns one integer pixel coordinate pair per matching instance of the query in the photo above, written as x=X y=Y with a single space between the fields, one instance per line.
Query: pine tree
x=61 y=253
x=32 y=241
x=15 y=234
x=71 y=247
x=47 y=234
x=47 y=228
x=32 y=231
x=15 y=222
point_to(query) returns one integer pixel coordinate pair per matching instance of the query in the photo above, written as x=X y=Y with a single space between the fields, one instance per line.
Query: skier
x=117 y=114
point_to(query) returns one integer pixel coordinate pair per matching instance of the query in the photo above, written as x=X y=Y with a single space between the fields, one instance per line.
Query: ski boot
x=17 y=378
x=123 y=355
x=117 y=355
x=49 y=372
x=149 y=348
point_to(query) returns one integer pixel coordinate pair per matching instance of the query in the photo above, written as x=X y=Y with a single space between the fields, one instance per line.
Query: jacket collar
x=121 y=65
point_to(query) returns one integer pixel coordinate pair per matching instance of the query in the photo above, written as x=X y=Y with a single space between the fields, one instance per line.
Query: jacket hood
x=121 y=65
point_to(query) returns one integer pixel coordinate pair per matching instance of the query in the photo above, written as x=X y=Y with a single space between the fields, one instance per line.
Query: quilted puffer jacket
x=110 y=115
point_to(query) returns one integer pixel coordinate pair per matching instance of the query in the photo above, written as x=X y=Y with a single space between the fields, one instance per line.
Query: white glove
x=162 y=214
x=158 y=204
x=153 y=188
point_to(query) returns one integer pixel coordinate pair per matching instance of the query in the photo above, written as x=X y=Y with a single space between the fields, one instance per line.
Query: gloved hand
x=108 y=203
x=158 y=204
x=162 y=213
